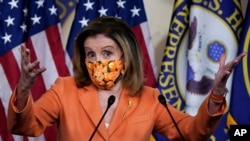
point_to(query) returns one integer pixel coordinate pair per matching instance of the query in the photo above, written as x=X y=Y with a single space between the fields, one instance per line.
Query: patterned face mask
x=105 y=74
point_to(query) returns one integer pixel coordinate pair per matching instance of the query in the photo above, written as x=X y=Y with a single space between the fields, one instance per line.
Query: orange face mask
x=105 y=74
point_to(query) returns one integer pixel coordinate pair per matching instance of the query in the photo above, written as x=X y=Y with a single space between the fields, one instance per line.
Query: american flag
x=36 y=24
x=131 y=11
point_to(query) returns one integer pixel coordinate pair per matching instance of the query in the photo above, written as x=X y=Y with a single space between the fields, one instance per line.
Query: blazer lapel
x=125 y=107
x=89 y=100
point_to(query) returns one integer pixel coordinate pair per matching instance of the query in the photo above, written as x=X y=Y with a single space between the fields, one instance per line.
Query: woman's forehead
x=100 y=41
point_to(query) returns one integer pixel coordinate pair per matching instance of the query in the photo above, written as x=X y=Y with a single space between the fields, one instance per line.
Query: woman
x=107 y=61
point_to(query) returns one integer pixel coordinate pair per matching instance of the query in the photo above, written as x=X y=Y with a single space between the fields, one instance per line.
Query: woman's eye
x=107 y=53
x=90 y=54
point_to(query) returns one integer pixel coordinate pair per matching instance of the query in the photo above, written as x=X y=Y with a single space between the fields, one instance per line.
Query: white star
x=9 y=21
x=135 y=11
x=6 y=38
x=39 y=3
x=121 y=3
x=24 y=27
x=36 y=19
x=13 y=3
x=84 y=22
x=25 y=11
x=89 y=5
x=53 y=10
x=102 y=11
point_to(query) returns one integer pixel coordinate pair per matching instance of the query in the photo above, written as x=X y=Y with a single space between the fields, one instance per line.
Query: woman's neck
x=103 y=99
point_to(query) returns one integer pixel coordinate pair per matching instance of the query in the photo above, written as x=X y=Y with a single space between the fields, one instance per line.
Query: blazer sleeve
x=35 y=117
x=194 y=128
x=17 y=120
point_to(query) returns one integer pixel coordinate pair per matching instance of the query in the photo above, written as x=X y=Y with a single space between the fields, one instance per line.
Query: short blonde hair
x=121 y=33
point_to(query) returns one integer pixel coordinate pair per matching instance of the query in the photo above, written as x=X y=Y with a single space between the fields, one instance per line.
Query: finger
x=222 y=60
x=225 y=70
x=25 y=54
x=235 y=61
x=33 y=66
x=39 y=71
x=239 y=57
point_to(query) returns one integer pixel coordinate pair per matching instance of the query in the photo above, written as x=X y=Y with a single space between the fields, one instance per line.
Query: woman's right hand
x=29 y=72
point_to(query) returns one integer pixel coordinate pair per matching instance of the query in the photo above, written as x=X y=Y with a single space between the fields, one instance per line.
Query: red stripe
x=25 y=138
x=50 y=133
x=56 y=48
x=5 y=135
x=148 y=69
x=10 y=68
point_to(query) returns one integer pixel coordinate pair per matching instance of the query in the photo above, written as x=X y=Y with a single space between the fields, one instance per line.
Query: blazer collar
x=89 y=100
x=125 y=107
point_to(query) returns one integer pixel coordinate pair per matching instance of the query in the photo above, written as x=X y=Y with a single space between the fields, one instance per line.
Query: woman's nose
x=99 y=58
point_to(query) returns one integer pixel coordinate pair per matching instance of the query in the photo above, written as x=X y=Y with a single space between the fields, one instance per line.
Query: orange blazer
x=77 y=112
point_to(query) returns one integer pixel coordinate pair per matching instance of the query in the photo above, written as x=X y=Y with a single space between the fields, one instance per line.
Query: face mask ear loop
x=118 y=78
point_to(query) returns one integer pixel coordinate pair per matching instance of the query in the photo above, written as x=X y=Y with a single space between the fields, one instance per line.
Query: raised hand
x=225 y=70
x=29 y=72
x=217 y=96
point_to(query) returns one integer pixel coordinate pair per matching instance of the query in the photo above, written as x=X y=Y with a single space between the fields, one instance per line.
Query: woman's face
x=100 y=47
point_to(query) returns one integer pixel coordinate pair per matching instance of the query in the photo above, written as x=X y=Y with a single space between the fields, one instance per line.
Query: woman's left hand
x=219 y=85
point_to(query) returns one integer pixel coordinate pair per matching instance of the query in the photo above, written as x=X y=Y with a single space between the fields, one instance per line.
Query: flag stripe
x=42 y=51
x=4 y=134
x=50 y=133
x=9 y=63
x=4 y=100
x=149 y=45
x=56 y=48
x=146 y=60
